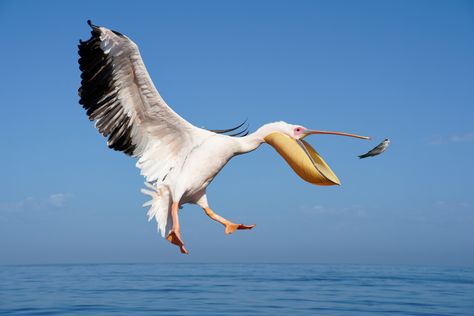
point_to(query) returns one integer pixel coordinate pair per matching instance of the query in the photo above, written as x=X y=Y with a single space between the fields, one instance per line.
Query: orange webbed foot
x=175 y=238
x=231 y=227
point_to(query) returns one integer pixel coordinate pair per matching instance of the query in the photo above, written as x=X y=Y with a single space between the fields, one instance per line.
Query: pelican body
x=177 y=159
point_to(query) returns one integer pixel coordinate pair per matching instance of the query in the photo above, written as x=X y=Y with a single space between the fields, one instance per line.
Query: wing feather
x=117 y=93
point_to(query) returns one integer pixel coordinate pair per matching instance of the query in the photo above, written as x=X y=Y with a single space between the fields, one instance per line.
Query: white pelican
x=177 y=159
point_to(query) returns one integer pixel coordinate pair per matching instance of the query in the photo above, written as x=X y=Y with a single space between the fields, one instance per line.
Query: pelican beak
x=312 y=132
x=304 y=159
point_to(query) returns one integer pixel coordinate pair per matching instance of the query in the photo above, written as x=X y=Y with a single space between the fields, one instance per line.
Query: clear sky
x=397 y=69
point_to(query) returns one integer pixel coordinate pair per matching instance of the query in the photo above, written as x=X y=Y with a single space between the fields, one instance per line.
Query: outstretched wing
x=120 y=97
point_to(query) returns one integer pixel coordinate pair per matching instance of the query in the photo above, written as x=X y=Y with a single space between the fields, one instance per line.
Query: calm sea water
x=235 y=289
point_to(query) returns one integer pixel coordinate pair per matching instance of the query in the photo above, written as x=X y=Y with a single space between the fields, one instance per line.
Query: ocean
x=235 y=289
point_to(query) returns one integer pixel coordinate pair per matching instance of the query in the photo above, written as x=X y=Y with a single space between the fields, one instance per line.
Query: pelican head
x=288 y=141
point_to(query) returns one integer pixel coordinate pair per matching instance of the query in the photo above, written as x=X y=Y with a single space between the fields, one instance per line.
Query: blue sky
x=397 y=69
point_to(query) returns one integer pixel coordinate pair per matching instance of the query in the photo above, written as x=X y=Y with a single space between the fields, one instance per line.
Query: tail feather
x=160 y=205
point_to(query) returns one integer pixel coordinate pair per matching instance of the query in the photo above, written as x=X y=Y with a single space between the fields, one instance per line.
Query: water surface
x=235 y=289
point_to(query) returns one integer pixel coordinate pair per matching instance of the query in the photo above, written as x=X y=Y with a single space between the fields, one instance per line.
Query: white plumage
x=177 y=159
x=159 y=205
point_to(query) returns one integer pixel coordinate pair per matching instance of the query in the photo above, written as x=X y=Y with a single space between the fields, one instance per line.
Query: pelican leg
x=174 y=236
x=229 y=226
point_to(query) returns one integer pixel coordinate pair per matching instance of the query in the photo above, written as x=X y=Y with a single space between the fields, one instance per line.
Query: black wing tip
x=238 y=133
x=118 y=33
x=89 y=22
x=241 y=133
x=223 y=131
x=94 y=27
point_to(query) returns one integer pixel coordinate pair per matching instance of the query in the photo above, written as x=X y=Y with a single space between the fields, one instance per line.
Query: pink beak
x=310 y=132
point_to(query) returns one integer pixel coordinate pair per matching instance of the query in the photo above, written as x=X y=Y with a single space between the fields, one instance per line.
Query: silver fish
x=380 y=148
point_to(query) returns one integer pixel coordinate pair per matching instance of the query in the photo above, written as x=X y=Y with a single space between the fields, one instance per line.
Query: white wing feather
x=117 y=92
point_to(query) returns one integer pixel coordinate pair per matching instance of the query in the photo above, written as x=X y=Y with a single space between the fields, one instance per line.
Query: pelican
x=177 y=159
